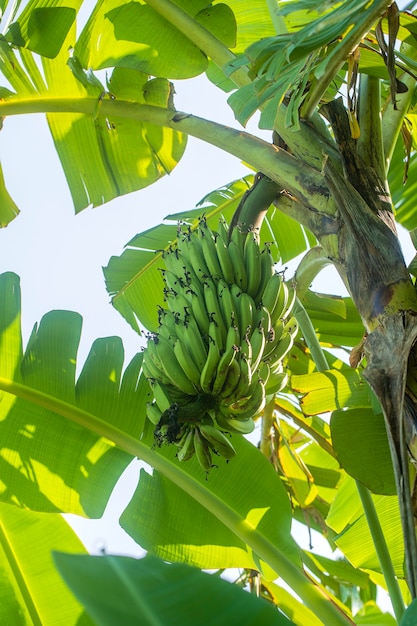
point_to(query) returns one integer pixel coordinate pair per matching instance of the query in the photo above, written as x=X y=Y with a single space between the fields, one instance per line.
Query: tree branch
x=302 y=181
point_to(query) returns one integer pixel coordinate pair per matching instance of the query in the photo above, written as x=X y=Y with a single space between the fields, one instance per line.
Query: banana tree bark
x=370 y=257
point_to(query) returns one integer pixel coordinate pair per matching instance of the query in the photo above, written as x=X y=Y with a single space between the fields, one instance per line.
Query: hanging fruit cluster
x=221 y=340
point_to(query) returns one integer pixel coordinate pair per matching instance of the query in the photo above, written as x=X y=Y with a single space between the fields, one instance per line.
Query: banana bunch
x=221 y=341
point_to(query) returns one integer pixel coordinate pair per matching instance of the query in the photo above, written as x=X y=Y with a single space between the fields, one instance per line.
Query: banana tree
x=334 y=83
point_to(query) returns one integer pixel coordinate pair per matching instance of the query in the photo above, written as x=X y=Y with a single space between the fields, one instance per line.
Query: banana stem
x=201 y=37
x=267 y=420
x=310 y=336
x=382 y=551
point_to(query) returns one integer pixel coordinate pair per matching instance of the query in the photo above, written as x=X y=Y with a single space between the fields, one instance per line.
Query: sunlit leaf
x=331 y=390
x=404 y=192
x=47 y=463
x=120 y=590
x=133 y=35
x=354 y=539
x=168 y=522
x=371 y=614
x=335 y=319
x=27 y=571
x=38 y=21
x=8 y=208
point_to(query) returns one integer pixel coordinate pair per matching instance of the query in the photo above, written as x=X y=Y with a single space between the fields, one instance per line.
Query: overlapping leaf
x=28 y=574
x=102 y=158
x=354 y=539
x=121 y=590
x=50 y=463
x=133 y=35
x=47 y=463
x=137 y=271
x=165 y=520
x=310 y=50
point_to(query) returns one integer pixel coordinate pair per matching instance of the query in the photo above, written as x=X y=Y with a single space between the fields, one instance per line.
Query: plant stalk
x=382 y=551
x=305 y=183
x=201 y=37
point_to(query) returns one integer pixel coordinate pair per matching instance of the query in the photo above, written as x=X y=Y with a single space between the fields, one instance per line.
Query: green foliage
x=119 y=590
x=68 y=431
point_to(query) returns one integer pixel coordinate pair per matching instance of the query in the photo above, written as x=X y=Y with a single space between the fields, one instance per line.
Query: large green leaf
x=335 y=319
x=47 y=463
x=404 y=191
x=361 y=445
x=331 y=390
x=64 y=444
x=8 y=208
x=119 y=590
x=354 y=539
x=102 y=158
x=168 y=522
x=105 y=158
x=32 y=590
x=283 y=65
x=132 y=34
x=137 y=270
x=43 y=25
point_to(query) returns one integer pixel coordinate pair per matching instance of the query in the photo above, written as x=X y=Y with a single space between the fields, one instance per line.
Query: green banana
x=257 y=340
x=232 y=338
x=291 y=327
x=281 y=303
x=246 y=348
x=225 y=261
x=152 y=372
x=290 y=302
x=222 y=369
x=267 y=270
x=214 y=309
x=174 y=262
x=186 y=361
x=211 y=258
x=238 y=262
x=276 y=383
x=247 y=318
x=282 y=348
x=161 y=393
x=172 y=368
x=252 y=258
x=273 y=338
x=187 y=448
x=264 y=320
x=218 y=441
x=244 y=382
x=196 y=257
x=202 y=451
x=232 y=425
x=232 y=379
x=191 y=337
x=271 y=293
x=153 y=412
x=199 y=312
x=223 y=230
x=247 y=407
x=210 y=367
x=180 y=306
x=226 y=302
